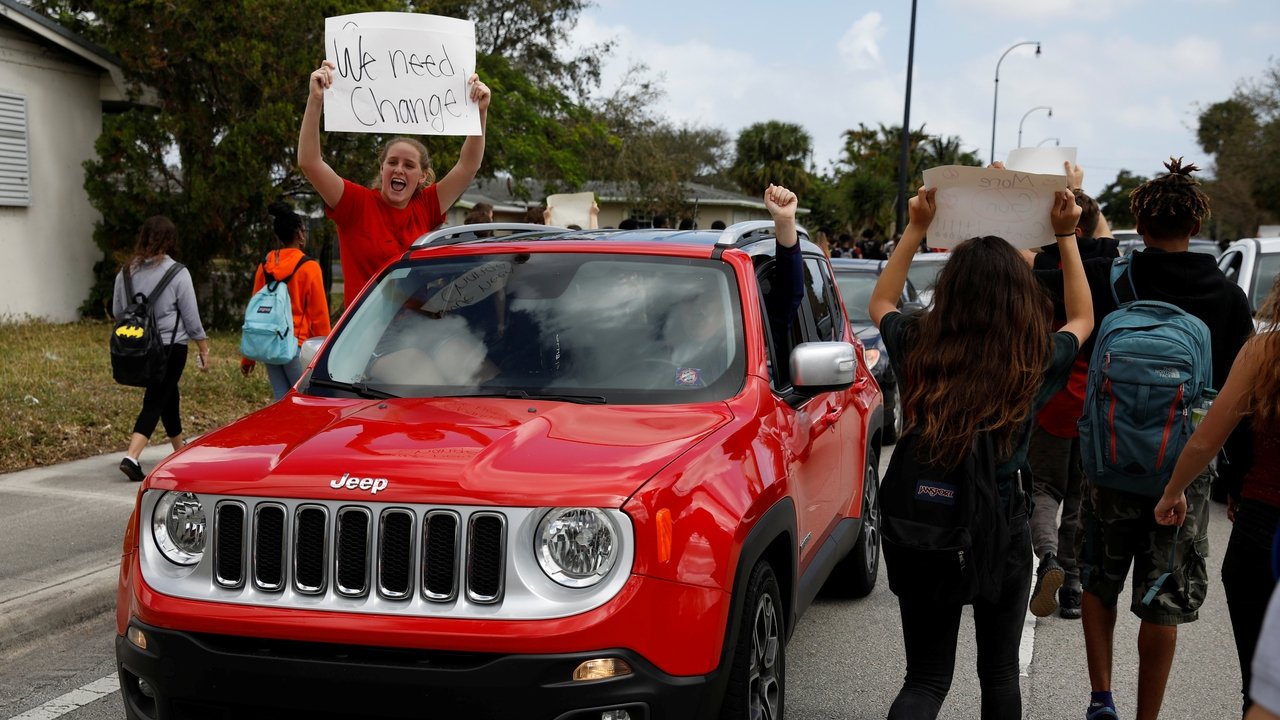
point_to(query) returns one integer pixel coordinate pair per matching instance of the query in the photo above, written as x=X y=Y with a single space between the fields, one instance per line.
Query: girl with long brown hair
x=981 y=358
x=1252 y=390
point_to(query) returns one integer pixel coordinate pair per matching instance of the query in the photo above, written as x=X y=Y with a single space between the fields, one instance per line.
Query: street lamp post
x=1024 y=118
x=1056 y=143
x=905 y=141
x=996 y=96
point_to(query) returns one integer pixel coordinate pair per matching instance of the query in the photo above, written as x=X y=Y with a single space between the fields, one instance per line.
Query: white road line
x=1026 y=648
x=73 y=700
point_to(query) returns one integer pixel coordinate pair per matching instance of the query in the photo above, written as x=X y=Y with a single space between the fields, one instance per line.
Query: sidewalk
x=61 y=530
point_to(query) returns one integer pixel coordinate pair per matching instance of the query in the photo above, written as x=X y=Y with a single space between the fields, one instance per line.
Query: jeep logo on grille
x=351 y=482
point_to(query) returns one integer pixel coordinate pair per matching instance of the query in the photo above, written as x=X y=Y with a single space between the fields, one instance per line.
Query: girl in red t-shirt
x=377 y=224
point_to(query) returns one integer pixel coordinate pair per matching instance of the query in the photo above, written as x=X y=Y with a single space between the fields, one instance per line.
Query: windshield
x=1264 y=277
x=855 y=289
x=586 y=327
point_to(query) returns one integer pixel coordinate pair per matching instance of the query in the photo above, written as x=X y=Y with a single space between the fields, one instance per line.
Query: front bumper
x=198 y=676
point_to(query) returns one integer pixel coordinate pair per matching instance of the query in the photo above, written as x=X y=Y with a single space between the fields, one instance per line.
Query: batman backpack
x=1151 y=362
x=138 y=353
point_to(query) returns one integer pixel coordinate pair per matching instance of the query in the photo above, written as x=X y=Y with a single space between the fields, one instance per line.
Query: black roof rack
x=736 y=235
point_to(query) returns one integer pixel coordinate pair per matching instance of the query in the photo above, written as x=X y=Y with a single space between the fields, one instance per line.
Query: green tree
x=1114 y=199
x=645 y=154
x=1243 y=135
x=772 y=152
x=230 y=83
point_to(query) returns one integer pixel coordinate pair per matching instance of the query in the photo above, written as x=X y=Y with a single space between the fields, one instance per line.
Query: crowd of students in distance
x=1004 y=347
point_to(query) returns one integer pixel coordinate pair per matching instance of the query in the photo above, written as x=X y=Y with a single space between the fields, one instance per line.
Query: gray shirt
x=176 y=300
x=1264 y=689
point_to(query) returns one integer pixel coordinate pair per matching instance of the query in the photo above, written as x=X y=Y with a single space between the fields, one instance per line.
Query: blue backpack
x=1151 y=362
x=267 y=333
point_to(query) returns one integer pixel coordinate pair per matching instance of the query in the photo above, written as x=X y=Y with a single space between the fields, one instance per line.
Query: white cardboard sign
x=400 y=73
x=974 y=201
x=1041 y=160
x=571 y=209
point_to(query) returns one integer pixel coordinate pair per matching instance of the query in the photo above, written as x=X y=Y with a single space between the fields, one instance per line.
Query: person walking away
x=1057 y=477
x=177 y=322
x=378 y=224
x=982 y=358
x=1118 y=529
x=310 y=304
x=1252 y=389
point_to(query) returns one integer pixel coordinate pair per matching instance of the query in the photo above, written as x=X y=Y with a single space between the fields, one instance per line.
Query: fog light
x=137 y=637
x=615 y=715
x=603 y=669
x=145 y=688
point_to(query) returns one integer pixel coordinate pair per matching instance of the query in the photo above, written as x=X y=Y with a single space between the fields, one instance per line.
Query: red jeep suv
x=541 y=474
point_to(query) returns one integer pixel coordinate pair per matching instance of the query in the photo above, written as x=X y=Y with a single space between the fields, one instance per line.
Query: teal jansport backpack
x=1151 y=362
x=267 y=333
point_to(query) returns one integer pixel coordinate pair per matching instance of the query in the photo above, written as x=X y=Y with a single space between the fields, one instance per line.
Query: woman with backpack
x=974 y=368
x=302 y=275
x=1251 y=563
x=406 y=201
x=177 y=322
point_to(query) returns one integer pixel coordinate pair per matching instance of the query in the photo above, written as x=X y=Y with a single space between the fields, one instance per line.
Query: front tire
x=757 y=678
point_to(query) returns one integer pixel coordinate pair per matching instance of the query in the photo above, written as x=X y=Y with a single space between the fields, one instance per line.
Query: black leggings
x=1247 y=579
x=160 y=401
x=930 y=633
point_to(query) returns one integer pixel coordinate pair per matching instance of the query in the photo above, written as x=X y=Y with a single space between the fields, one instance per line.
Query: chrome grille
x=389 y=557
x=269 y=548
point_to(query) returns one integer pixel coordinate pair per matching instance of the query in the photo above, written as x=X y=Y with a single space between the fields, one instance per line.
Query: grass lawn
x=60 y=402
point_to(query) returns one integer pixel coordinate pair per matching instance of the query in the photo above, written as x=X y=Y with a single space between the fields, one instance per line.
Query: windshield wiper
x=358 y=388
x=526 y=395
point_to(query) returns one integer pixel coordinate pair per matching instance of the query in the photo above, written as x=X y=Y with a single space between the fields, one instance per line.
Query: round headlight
x=178 y=525
x=576 y=547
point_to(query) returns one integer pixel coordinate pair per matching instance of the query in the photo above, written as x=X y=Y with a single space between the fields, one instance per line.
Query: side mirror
x=823 y=366
x=309 y=348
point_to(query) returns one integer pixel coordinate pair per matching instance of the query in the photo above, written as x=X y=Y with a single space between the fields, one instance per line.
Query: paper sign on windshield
x=974 y=201
x=571 y=209
x=1043 y=160
x=400 y=73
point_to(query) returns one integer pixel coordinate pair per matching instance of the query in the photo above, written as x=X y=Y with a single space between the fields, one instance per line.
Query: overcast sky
x=1125 y=78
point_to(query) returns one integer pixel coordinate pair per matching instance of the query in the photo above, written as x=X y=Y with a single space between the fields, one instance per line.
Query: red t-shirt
x=371 y=232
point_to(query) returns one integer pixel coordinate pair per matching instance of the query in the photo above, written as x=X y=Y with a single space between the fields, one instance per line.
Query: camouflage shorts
x=1119 y=529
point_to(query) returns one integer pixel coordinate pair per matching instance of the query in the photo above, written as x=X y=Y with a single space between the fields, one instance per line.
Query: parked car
x=1252 y=263
x=505 y=487
x=856 y=280
x=923 y=273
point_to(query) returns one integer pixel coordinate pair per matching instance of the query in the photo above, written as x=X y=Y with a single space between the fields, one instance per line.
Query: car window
x=924 y=274
x=626 y=328
x=780 y=348
x=1229 y=263
x=826 y=312
x=856 y=288
x=1264 y=277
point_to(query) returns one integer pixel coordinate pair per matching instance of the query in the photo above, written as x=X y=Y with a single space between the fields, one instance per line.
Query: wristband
x=1070 y=234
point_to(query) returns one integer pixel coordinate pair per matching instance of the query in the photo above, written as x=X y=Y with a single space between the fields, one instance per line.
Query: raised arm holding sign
x=377 y=224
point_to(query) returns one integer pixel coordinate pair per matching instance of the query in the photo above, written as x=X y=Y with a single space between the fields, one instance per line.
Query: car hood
x=466 y=451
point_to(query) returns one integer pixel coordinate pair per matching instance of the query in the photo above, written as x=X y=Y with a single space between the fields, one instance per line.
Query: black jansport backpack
x=945 y=532
x=138 y=354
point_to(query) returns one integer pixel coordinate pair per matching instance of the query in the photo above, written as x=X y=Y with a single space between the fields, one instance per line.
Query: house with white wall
x=54 y=88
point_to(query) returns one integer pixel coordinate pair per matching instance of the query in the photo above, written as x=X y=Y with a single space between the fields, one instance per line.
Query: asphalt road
x=844 y=661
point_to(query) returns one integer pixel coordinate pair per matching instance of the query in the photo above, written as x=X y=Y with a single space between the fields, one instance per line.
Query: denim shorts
x=1119 y=529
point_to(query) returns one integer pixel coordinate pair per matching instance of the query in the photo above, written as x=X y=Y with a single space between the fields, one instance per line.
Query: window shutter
x=15 y=164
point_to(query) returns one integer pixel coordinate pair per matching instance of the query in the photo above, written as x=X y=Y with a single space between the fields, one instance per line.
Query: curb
x=26 y=617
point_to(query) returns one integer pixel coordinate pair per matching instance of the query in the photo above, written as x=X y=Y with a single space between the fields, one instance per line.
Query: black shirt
x=1188 y=280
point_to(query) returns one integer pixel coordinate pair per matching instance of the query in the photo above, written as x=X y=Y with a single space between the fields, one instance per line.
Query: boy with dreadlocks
x=1119 y=528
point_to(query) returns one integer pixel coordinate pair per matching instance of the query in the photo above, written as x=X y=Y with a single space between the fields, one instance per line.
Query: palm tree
x=772 y=152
